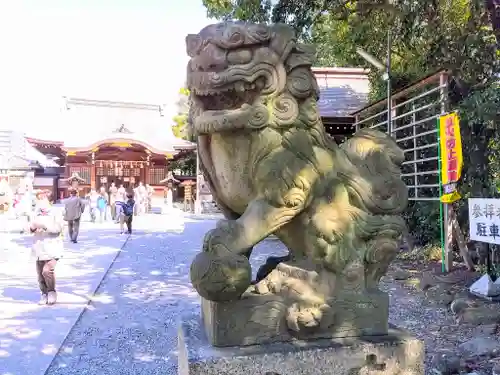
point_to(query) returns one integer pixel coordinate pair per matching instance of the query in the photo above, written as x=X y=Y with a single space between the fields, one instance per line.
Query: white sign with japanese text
x=484 y=220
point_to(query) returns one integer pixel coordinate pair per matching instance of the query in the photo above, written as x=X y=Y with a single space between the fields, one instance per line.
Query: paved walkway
x=131 y=327
x=31 y=335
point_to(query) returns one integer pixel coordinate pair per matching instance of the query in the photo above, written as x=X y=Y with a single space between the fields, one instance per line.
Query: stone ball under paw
x=220 y=278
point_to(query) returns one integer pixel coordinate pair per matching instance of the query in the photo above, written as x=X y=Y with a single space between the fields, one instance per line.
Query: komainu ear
x=283 y=40
x=301 y=55
x=193 y=44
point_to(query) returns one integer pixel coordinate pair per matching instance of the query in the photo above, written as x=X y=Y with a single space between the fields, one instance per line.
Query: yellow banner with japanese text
x=451 y=156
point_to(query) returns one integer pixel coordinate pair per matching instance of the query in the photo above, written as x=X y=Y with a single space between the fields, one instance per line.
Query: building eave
x=72 y=101
x=174 y=149
x=43 y=142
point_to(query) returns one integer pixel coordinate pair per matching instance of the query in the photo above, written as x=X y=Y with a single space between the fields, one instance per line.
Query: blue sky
x=129 y=50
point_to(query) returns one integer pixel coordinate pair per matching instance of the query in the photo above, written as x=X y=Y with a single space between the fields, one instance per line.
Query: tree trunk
x=493 y=7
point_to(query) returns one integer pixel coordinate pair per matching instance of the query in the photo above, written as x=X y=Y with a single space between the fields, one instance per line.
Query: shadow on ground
x=131 y=327
x=30 y=335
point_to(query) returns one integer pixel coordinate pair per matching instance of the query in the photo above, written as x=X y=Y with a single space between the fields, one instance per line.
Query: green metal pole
x=441 y=224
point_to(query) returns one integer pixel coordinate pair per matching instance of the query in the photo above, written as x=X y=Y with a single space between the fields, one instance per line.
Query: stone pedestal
x=391 y=354
x=260 y=319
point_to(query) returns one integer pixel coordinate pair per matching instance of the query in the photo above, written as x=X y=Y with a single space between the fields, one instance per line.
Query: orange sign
x=451 y=156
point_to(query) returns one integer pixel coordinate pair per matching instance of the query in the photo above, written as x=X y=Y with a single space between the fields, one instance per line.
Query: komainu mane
x=273 y=170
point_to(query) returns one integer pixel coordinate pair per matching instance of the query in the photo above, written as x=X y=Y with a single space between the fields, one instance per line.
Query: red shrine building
x=114 y=142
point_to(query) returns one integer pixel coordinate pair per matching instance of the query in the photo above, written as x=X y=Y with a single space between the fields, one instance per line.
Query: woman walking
x=47 y=227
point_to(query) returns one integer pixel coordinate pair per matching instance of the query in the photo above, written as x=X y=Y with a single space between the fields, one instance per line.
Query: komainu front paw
x=220 y=273
x=220 y=278
x=223 y=239
x=216 y=242
x=300 y=317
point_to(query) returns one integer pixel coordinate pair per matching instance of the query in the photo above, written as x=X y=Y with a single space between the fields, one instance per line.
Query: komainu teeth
x=227 y=98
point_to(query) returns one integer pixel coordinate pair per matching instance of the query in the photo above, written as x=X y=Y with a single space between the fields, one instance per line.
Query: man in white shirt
x=113 y=191
x=120 y=199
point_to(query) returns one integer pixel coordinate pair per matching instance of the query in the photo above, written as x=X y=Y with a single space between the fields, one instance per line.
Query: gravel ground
x=428 y=316
x=131 y=327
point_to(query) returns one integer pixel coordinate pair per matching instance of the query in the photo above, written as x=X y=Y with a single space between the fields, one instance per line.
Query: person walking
x=149 y=201
x=113 y=192
x=102 y=204
x=93 y=198
x=73 y=209
x=136 y=199
x=120 y=199
x=47 y=249
x=142 y=195
x=127 y=213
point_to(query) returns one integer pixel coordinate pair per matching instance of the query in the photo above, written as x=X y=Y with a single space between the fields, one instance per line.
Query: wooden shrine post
x=93 y=172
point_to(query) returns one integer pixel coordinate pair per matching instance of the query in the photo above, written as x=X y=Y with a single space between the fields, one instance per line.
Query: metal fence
x=415 y=112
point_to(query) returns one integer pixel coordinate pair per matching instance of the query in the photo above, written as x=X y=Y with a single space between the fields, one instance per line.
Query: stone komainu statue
x=273 y=170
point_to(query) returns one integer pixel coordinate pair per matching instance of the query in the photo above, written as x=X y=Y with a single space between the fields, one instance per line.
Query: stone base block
x=395 y=353
x=261 y=319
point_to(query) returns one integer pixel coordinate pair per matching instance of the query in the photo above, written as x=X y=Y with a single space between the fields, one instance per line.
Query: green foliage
x=181 y=127
x=186 y=164
x=244 y=10
x=459 y=35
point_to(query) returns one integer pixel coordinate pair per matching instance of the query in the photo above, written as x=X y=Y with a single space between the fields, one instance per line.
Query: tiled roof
x=340 y=101
x=33 y=154
x=17 y=153
x=98 y=121
x=342 y=90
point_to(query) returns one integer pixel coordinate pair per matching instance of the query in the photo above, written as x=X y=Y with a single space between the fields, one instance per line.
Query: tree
x=460 y=35
x=303 y=14
x=181 y=128
x=186 y=164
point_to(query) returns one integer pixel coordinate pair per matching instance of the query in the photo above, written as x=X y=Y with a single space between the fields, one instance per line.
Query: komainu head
x=244 y=75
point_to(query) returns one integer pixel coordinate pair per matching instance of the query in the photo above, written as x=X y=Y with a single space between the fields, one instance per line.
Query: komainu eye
x=234 y=36
x=239 y=56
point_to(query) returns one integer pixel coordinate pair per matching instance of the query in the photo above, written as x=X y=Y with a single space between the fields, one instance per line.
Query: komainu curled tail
x=377 y=196
x=373 y=176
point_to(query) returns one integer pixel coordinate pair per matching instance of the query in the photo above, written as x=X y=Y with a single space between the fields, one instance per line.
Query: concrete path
x=31 y=335
x=131 y=327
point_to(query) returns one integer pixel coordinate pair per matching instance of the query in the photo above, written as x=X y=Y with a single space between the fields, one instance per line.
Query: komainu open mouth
x=231 y=97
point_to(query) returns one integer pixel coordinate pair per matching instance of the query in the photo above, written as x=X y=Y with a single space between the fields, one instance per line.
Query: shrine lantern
x=188 y=194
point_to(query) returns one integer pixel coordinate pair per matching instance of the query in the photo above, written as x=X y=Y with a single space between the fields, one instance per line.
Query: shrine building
x=124 y=143
x=343 y=91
